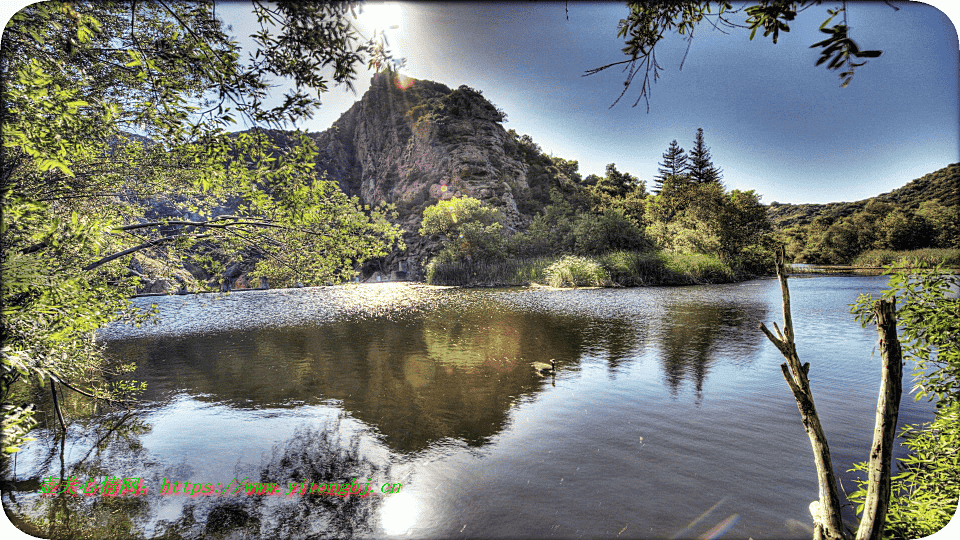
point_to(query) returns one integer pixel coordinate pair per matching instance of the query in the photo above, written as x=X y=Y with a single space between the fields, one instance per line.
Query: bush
x=573 y=271
x=595 y=234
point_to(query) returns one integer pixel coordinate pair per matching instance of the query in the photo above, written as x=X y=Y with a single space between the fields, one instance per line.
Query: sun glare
x=379 y=16
x=399 y=513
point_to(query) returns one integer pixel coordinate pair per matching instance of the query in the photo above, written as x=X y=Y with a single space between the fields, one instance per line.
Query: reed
x=877 y=258
x=575 y=271
x=501 y=272
x=617 y=268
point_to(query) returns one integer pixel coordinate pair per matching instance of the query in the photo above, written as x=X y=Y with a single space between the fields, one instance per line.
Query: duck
x=542 y=368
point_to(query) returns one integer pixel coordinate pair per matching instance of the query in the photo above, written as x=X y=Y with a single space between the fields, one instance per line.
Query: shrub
x=595 y=234
x=924 y=493
x=573 y=271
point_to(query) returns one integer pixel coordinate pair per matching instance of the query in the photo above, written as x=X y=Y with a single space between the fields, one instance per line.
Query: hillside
x=942 y=185
x=412 y=143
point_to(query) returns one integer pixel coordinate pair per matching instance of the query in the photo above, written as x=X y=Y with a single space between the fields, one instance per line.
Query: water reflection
x=665 y=402
x=696 y=335
x=451 y=372
x=322 y=454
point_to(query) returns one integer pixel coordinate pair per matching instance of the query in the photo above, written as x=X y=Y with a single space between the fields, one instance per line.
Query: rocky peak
x=412 y=143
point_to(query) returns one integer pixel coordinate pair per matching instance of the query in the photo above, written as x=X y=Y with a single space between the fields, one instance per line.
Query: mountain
x=416 y=144
x=942 y=185
x=412 y=143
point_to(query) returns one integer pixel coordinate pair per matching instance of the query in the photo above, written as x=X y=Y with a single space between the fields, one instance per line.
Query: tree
x=111 y=110
x=674 y=164
x=649 y=22
x=616 y=183
x=701 y=167
x=924 y=493
x=826 y=509
x=473 y=230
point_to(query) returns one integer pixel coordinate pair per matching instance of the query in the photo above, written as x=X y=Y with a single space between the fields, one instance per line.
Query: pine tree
x=674 y=164
x=702 y=169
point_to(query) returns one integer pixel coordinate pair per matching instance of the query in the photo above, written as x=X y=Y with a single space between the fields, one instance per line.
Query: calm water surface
x=668 y=416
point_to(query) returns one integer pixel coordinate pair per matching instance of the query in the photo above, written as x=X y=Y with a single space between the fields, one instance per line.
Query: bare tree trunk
x=826 y=511
x=884 y=432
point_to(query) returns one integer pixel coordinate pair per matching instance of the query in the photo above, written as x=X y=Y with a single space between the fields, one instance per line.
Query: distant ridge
x=942 y=185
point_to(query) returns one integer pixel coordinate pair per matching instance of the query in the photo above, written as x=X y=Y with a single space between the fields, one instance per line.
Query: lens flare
x=399 y=513
x=403 y=82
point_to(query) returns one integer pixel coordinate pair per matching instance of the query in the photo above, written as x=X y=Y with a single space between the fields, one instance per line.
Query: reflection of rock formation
x=452 y=371
x=452 y=374
x=691 y=333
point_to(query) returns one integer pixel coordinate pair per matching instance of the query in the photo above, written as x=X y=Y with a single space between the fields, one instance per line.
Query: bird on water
x=542 y=368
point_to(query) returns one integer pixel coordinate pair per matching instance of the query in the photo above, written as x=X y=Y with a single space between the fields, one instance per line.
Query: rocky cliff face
x=413 y=143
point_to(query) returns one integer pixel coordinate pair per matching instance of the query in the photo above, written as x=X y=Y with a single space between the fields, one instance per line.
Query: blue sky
x=774 y=121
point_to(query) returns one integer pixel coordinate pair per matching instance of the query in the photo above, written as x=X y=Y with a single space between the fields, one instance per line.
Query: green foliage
x=877 y=226
x=473 y=230
x=620 y=192
x=701 y=218
x=495 y=272
x=82 y=193
x=701 y=169
x=647 y=23
x=924 y=493
x=611 y=230
x=637 y=268
x=574 y=271
x=675 y=165
x=546 y=175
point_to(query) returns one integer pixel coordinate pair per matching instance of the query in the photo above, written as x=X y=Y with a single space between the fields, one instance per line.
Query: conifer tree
x=702 y=169
x=674 y=164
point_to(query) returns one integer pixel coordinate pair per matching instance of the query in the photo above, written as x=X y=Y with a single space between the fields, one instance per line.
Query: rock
x=160 y=286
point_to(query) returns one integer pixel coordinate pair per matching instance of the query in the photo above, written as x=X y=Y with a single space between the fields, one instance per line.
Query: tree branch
x=137 y=248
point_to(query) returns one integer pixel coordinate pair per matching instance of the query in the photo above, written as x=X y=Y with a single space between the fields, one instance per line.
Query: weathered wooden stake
x=826 y=511
x=884 y=431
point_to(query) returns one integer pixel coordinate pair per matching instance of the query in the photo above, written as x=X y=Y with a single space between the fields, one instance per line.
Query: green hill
x=942 y=185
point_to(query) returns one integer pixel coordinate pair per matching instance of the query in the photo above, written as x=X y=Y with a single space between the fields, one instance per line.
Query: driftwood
x=826 y=510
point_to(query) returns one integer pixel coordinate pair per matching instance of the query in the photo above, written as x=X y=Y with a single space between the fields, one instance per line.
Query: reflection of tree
x=617 y=339
x=316 y=455
x=691 y=338
x=114 y=446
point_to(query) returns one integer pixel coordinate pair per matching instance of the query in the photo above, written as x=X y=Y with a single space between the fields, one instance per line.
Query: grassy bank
x=877 y=258
x=614 y=269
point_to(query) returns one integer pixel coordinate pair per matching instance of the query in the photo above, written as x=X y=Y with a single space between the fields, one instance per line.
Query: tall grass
x=634 y=268
x=881 y=257
x=618 y=268
x=574 y=271
x=498 y=272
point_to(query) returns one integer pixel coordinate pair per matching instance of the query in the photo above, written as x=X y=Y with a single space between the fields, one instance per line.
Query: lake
x=668 y=416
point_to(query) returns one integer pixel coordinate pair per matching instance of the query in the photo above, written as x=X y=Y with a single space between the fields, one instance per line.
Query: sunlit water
x=668 y=416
